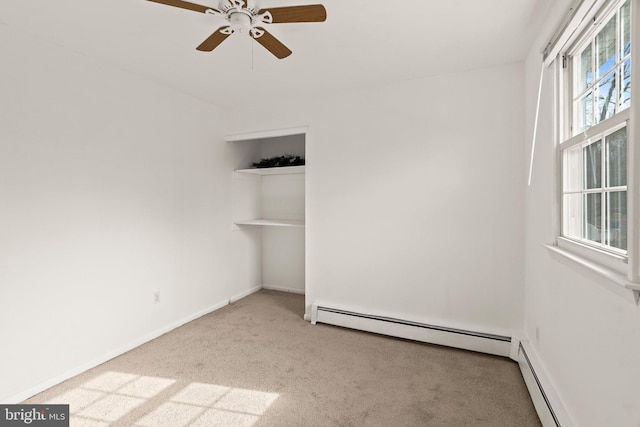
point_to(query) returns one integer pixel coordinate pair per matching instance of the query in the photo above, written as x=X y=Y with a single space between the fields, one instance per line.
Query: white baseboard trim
x=434 y=334
x=549 y=407
x=244 y=294
x=20 y=397
x=283 y=289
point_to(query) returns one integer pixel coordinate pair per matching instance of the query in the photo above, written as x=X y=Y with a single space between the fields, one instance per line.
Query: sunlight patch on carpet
x=111 y=396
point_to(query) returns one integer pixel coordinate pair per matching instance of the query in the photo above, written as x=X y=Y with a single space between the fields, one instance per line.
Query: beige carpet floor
x=258 y=363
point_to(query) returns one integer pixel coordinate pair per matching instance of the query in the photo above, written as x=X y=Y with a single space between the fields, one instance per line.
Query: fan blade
x=310 y=13
x=183 y=5
x=213 y=40
x=272 y=44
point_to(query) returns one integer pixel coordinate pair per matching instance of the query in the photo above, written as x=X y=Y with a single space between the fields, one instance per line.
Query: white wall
x=415 y=202
x=111 y=188
x=283 y=255
x=589 y=336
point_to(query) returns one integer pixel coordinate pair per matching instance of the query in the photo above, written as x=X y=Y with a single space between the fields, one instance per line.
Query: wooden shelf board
x=273 y=222
x=286 y=170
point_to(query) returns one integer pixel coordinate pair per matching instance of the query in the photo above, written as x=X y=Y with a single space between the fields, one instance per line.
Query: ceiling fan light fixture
x=240 y=22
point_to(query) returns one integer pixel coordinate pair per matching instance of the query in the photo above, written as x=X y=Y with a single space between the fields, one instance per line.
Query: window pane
x=625 y=93
x=625 y=43
x=572 y=169
x=585 y=74
x=585 y=112
x=606 y=47
x=592 y=158
x=572 y=215
x=592 y=216
x=606 y=99
x=617 y=158
x=617 y=219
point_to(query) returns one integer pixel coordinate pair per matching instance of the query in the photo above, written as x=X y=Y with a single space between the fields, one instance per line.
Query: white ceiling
x=363 y=42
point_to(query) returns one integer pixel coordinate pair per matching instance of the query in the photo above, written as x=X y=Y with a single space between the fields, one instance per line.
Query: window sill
x=623 y=286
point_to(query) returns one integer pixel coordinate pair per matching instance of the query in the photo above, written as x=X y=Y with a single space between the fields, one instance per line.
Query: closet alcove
x=269 y=206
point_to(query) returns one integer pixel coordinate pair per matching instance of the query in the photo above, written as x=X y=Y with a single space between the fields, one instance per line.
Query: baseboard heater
x=548 y=405
x=433 y=334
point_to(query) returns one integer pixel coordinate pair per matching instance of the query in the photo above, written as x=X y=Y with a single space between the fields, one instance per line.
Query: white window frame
x=593 y=134
x=620 y=267
x=576 y=47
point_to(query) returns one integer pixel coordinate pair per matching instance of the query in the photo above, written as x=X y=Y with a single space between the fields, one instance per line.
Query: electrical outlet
x=537 y=335
x=156 y=297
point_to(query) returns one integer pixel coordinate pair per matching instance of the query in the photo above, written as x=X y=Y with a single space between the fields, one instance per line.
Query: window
x=597 y=86
x=602 y=71
x=595 y=191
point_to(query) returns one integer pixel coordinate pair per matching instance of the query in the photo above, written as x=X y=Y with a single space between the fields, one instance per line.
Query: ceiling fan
x=245 y=19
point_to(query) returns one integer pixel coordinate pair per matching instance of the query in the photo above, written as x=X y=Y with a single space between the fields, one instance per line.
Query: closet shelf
x=285 y=170
x=299 y=223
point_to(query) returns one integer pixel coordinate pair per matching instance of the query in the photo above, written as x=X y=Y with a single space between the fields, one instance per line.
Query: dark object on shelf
x=280 y=161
